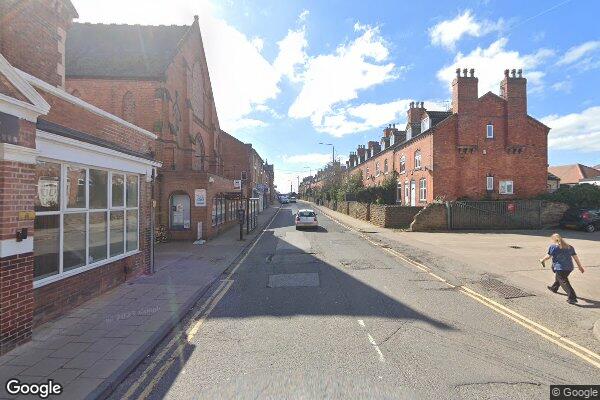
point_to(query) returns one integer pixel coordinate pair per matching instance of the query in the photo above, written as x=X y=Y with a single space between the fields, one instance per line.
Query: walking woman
x=562 y=255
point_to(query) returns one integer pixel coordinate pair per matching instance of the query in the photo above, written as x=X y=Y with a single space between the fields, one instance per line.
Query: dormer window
x=489 y=131
x=392 y=140
x=409 y=133
x=425 y=123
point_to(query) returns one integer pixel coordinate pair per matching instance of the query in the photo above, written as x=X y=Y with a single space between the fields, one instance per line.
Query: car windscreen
x=306 y=214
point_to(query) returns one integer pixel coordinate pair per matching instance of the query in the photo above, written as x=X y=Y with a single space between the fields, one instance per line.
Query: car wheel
x=590 y=228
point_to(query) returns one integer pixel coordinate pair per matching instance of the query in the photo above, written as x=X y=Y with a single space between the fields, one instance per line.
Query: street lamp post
x=332 y=151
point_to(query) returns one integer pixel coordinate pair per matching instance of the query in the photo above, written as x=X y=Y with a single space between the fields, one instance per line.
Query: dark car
x=582 y=218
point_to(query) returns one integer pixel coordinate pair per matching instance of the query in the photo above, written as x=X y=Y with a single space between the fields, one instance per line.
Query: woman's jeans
x=561 y=278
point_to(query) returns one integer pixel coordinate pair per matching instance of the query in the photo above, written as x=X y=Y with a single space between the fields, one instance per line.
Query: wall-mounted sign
x=200 y=197
x=9 y=128
x=237 y=184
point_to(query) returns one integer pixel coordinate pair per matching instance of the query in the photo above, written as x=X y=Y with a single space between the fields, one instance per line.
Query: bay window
x=85 y=217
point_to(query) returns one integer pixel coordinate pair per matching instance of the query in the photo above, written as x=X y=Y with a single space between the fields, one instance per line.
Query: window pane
x=46 y=246
x=75 y=187
x=117 y=233
x=74 y=241
x=48 y=186
x=132 y=230
x=98 y=226
x=118 y=192
x=98 y=189
x=132 y=191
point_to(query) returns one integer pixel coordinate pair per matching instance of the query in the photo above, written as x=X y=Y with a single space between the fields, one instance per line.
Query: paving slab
x=91 y=349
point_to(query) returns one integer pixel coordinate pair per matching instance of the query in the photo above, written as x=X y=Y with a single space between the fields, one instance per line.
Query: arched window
x=179 y=214
x=198 y=162
x=402 y=164
x=385 y=167
x=128 y=111
x=417 y=159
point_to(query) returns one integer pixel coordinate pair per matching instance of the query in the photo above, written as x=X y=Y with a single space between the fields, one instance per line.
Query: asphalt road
x=325 y=314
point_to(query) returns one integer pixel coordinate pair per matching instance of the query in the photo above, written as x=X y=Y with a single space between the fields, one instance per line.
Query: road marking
x=535 y=327
x=373 y=342
x=381 y=358
x=201 y=315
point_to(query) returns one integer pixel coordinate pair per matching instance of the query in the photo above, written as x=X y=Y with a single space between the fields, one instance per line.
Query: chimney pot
x=520 y=72
x=465 y=72
x=512 y=72
x=422 y=104
x=506 y=73
x=458 y=72
x=472 y=72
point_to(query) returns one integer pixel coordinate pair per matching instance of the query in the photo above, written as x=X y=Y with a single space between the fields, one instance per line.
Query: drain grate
x=361 y=231
x=515 y=247
x=507 y=291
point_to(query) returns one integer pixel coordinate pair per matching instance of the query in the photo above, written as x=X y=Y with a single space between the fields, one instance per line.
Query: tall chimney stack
x=464 y=91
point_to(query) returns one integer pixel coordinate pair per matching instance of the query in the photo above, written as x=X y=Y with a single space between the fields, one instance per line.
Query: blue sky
x=288 y=75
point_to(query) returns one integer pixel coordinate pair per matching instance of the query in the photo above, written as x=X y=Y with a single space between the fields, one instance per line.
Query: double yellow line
x=539 y=329
x=180 y=341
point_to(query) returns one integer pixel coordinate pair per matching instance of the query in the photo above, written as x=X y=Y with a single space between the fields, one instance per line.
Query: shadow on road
x=305 y=286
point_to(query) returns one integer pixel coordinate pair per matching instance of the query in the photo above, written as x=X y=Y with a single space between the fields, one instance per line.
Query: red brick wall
x=75 y=117
x=16 y=300
x=29 y=37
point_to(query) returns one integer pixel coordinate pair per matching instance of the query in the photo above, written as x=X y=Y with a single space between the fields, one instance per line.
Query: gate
x=518 y=214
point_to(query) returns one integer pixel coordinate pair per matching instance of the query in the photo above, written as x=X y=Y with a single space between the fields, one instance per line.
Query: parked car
x=582 y=218
x=306 y=218
x=284 y=200
x=292 y=199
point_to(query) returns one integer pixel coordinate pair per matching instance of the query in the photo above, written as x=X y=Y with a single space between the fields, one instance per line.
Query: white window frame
x=489 y=183
x=489 y=131
x=423 y=189
x=63 y=210
x=402 y=166
x=407 y=193
x=417 y=159
x=385 y=166
x=425 y=123
x=503 y=187
x=399 y=192
x=377 y=170
x=409 y=133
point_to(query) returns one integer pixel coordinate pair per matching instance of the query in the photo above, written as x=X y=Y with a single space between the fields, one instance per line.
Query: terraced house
x=485 y=147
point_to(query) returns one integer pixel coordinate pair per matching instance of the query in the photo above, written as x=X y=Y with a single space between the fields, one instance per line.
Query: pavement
x=328 y=314
x=92 y=348
x=512 y=257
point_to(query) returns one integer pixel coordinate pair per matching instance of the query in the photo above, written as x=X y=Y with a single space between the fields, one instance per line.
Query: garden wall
x=434 y=217
x=389 y=216
x=359 y=210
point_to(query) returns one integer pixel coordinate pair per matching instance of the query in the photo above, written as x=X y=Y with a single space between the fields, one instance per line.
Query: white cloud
x=576 y=131
x=577 y=52
x=448 y=32
x=490 y=63
x=367 y=116
x=292 y=51
x=329 y=80
x=563 y=86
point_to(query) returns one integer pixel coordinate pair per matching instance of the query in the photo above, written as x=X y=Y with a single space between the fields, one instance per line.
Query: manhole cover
x=294 y=280
x=507 y=291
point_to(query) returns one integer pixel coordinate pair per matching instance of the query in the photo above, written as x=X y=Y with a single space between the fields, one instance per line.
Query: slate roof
x=573 y=173
x=438 y=116
x=121 y=51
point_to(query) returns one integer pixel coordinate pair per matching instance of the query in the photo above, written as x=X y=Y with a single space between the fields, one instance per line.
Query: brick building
x=75 y=181
x=486 y=147
x=157 y=77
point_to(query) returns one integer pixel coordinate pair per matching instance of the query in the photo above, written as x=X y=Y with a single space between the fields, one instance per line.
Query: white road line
x=381 y=357
x=373 y=342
